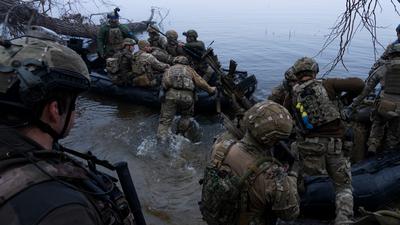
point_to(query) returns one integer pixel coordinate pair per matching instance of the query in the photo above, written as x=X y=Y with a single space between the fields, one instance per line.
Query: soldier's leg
x=187 y=125
x=311 y=156
x=376 y=134
x=339 y=169
x=168 y=111
x=392 y=136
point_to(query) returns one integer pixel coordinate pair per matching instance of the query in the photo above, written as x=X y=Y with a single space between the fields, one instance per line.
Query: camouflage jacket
x=175 y=50
x=102 y=38
x=162 y=55
x=157 y=41
x=187 y=71
x=273 y=193
x=31 y=195
x=146 y=63
x=125 y=61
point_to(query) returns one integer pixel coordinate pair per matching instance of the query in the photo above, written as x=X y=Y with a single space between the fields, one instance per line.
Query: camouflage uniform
x=195 y=49
x=145 y=66
x=320 y=142
x=110 y=38
x=124 y=74
x=156 y=40
x=179 y=83
x=42 y=184
x=162 y=55
x=387 y=112
x=271 y=192
x=173 y=48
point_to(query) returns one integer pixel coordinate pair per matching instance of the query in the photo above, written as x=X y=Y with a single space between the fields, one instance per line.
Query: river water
x=264 y=37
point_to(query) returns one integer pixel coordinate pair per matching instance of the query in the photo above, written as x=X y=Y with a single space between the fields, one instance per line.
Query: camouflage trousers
x=321 y=156
x=379 y=126
x=176 y=102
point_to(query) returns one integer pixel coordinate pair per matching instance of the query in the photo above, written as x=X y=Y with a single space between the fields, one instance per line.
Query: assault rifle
x=226 y=82
x=124 y=177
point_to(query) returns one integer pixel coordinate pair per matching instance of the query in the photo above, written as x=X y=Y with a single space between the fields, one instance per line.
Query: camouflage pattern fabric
x=176 y=101
x=107 y=49
x=162 y=55
x=157 y=41
x=124 y=74
x=272 y=194
x=144 y=67
x=321 y=156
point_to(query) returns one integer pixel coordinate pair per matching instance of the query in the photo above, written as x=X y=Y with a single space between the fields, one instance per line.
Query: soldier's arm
x=285 y=200
x=200 y=82
x=157 y=65
x=372 y=81
x=336 y=86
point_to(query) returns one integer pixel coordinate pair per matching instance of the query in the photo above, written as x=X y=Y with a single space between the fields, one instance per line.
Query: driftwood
x=16 y=14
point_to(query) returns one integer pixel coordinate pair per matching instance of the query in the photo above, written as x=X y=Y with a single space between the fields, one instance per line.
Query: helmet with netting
x=128 y=41
x=305 y=64
x=142 y=44
x=180 y=60
x=190 y=33
x=268 y=122
x=172 y=34
x=152 y=29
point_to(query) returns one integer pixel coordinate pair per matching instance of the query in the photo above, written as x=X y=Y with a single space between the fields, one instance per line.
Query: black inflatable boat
x=376 y=183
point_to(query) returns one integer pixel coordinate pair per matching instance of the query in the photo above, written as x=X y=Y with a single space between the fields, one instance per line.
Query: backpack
x=225 y=195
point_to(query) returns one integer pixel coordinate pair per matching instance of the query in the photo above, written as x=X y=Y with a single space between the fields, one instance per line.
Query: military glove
x=347 y=113
x=213 y=90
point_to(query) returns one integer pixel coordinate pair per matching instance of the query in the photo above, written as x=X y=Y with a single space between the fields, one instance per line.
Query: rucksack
x=225 y=195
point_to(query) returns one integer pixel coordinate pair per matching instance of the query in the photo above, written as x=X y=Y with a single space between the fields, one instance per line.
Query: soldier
x=120 y=65
x=281 y=93
x=155 y=39
x=268 y=191
x=145 y=66
x=173 y=47
x=385 y=55
x=195 y=49
x=179 y=83
x=320 y=141
x=40 y=183
x=111 y=36
x=387 y=110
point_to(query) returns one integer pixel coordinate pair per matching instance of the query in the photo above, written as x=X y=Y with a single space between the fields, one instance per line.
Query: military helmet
x=128 y=41
x=190 y=33
x=41 y=33
x=152 y=29
x=305 y=64
x=142 y=44
x=172 y=34
x=267 y=122
x=180 y=60
x=31 y=69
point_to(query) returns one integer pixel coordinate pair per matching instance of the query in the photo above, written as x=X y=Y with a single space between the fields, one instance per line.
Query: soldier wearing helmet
x=111 y=35
x=387 y=110
x=173 y=47
x=119 y=66
x=41 y=183
x=179 y=84
x=145 y=66
x=280 y=94
x=195 y=49
x=155 y=39
x=322 y=131
x=270 y=191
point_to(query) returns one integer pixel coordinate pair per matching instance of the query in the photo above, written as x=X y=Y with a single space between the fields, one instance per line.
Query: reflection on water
x=264 y=37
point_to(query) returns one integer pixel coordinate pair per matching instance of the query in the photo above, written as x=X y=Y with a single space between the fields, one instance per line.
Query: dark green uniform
x=110 y=38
